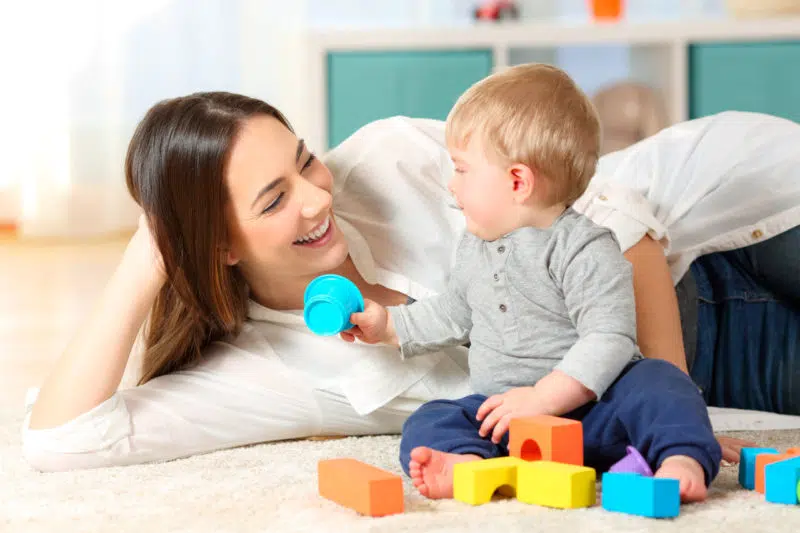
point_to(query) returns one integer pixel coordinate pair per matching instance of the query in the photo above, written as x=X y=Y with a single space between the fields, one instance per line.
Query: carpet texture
x=272 y=488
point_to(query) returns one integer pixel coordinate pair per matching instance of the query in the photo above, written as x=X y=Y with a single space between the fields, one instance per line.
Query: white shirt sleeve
x=624 y=211
x=232 y=398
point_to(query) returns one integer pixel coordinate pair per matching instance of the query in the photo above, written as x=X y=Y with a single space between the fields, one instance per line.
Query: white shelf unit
x=658 y=52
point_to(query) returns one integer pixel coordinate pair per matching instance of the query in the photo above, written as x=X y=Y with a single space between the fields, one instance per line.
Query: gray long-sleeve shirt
x=530 y=302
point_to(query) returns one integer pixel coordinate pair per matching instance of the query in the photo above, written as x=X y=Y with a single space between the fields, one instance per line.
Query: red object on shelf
x=606 y=9
x=8 y=228
x=497 y=10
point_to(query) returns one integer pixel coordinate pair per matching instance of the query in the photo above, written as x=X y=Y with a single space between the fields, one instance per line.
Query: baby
x=544 y=297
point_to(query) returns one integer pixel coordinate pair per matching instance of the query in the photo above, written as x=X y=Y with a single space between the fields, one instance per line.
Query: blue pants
x=652 y=406
x=748 y=338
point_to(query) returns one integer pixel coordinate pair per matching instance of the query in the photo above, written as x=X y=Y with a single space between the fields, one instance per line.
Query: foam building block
x=747 y=465
x=783 y=481
x=560 y=485
x=364 y=488
x=475 y=482
x=640 y=495
x=548 y=438
x=767 y=459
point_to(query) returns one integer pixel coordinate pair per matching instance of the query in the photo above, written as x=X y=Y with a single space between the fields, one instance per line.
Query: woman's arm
x=232 y=398
x=658 y=322
x=91 y=368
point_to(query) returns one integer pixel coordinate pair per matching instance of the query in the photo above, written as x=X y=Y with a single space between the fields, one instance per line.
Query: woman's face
x=279 y=215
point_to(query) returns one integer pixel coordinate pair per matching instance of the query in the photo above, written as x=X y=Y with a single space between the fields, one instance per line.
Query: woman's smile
x=319 y=236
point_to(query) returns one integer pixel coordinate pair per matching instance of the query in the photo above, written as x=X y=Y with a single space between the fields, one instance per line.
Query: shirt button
x=602 y=198
x=757 y=234
x=503 y=308
x=496 y=277
x=501 y=249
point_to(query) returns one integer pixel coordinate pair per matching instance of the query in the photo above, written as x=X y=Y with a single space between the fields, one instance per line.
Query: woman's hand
x=144 y=246
x=732 y=448
x=373 y=325
x=91 y=367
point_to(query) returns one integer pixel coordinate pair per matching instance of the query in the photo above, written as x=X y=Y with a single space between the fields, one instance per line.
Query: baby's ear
x=523 y=181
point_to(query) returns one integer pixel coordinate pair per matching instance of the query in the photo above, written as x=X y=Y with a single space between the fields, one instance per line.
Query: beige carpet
x=272 y=488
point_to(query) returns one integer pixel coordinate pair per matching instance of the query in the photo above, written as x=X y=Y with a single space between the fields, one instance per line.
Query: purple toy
x=632 y=463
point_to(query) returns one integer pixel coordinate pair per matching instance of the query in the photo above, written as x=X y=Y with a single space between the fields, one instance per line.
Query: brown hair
x=175 y=170
x=536 y=115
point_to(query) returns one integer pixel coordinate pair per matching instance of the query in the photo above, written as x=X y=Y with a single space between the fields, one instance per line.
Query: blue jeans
x=748 y=342
x=652 y=406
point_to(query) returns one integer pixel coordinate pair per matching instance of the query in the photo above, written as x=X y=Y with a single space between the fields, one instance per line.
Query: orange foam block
x=763 y=460
x=546 y=438
x=364 y=488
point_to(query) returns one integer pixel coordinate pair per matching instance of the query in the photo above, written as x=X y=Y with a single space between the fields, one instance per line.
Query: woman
x=239 y=220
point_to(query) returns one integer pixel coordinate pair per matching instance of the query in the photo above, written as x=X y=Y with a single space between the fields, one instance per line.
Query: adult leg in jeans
x=775 y=263
x=748 y=346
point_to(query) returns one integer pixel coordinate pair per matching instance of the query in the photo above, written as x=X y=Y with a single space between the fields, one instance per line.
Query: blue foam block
x=782 y=481
x=639 y=495
x=747 y=465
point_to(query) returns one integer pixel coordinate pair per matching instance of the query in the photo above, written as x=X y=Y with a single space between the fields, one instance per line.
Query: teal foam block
x=747 y=465
x=639 y=495
x=782 y=481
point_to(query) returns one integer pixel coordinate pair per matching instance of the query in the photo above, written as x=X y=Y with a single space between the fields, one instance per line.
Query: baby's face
x=482 y=190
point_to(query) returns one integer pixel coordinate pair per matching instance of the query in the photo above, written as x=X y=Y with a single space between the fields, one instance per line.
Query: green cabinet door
x=366 y=86
x=761 y=77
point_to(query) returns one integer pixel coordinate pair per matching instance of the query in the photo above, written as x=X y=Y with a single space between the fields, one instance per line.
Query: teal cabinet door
x=760 y=77
x=366 y=86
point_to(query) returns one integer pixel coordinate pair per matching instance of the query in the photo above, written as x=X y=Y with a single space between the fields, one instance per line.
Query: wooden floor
x=45 y=291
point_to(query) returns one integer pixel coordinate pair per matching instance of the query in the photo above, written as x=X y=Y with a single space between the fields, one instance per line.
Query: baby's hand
x=497 y=411
x=372 y=326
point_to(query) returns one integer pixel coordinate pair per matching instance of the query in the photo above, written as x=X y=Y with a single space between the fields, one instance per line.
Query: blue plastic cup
x=329 y=301
x=632 y=463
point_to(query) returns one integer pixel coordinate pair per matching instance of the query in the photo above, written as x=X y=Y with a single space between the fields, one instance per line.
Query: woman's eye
x=274 y=204
x=309 y=161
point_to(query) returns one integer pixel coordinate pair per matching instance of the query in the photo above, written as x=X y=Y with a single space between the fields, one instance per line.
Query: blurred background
x=80 y=74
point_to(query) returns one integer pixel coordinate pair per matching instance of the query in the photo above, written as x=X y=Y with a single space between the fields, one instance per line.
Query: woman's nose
x=315 y=201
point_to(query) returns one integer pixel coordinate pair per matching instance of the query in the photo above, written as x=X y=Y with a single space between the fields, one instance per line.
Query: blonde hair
x=533 y=114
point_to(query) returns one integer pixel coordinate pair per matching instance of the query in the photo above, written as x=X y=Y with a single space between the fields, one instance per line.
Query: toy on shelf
x=632 y=463
x=329 y=301
x=497 y=10
x=364 y=488
x=639 y=495
x=629 y=112
x=606 y=10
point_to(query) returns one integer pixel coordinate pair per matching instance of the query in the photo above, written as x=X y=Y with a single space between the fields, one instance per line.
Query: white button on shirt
x=717 y=183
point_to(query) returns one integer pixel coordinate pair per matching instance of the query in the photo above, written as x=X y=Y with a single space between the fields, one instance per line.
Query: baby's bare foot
x=431 y=471
x=690 y=475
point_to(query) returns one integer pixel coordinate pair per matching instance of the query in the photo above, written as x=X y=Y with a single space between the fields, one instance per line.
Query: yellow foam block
x=475 y=482
x=558 y=485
